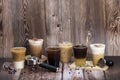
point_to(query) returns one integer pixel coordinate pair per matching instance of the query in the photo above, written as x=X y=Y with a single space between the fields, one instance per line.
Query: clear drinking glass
x=36 y=47
x=80 y=54
x=18 y=54
x=53 y=53
x=98 y=51
x=66 y=51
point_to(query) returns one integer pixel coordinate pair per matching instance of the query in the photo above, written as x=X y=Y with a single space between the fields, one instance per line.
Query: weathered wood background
x=78 y=21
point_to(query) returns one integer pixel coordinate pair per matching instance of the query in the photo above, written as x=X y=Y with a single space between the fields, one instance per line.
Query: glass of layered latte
x=36 y=47
x=18 y=54
x=80 y=54
x=98 y=51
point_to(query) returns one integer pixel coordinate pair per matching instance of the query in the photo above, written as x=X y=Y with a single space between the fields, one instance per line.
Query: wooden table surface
x=66 y=73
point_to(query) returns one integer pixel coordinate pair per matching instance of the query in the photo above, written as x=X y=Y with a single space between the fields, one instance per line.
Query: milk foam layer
x=65 y=44
x=97 y=48
x=19 y=65
x=36 y=42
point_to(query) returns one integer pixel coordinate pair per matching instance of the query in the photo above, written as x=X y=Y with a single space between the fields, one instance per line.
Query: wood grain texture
x=94 y=75
x=1 y=30
x=80 y=14
x=65 y=20
x=8 y=29
x=77 y=21
x=112 y=27
x=40 y=74
x=52 y=21
x=47 y=75
x=71 y=74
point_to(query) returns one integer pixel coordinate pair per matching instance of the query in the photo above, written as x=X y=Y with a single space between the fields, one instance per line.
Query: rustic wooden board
x=5 y=76
x=40 y=74
x=7 y=27
x=27 y=74
x=112 y=27
x=65 y=20
x=72 y=74
x=47 y=75
x=52 y=21
x=16 y=75
x=94 y=75
x=1 y=30
x=80 y=16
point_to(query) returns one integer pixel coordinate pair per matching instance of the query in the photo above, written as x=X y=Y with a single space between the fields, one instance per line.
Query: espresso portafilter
x=34 y=61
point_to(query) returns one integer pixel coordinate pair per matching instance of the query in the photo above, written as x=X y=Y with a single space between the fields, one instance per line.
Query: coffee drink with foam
x=98 y=51
x=18 y=54
x=36 y=47
x=66 y=51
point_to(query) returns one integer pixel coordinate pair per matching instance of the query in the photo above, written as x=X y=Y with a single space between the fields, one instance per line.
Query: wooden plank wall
x=77 y=21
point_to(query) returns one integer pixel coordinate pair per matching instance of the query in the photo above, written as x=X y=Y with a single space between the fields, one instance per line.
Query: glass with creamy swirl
x=98 y=51
x=36 y=47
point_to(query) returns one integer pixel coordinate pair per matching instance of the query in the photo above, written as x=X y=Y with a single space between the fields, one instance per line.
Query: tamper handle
x=49 y=67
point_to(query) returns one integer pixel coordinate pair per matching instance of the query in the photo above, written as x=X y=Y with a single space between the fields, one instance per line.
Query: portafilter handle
x=49 y=67
x=33 y=61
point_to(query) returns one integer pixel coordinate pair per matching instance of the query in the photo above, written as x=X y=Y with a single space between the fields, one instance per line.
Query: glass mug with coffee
x=98 y=51
x=35 y=47
x=18 y=54
x=66 y=51
x=80 y=54
x=53 y=53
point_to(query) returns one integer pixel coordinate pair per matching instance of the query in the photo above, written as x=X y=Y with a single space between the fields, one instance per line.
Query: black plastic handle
x=49 y=67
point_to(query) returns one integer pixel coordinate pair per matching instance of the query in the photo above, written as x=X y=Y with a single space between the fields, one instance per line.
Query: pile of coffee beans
x=9 y=68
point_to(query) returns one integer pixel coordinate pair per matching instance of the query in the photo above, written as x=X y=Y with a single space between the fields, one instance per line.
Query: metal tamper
x=35 y=61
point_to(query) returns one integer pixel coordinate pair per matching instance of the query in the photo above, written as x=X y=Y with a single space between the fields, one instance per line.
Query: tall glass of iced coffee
x=98 y=51
x=66 y=51
x=18 y=54
x=36 y=47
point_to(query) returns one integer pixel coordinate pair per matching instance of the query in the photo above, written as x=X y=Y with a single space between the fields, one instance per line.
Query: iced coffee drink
x=66 y=51
x=18 y=54
x=80 y=54
x=98 y=51
x=53 y=53
x=36 y=47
